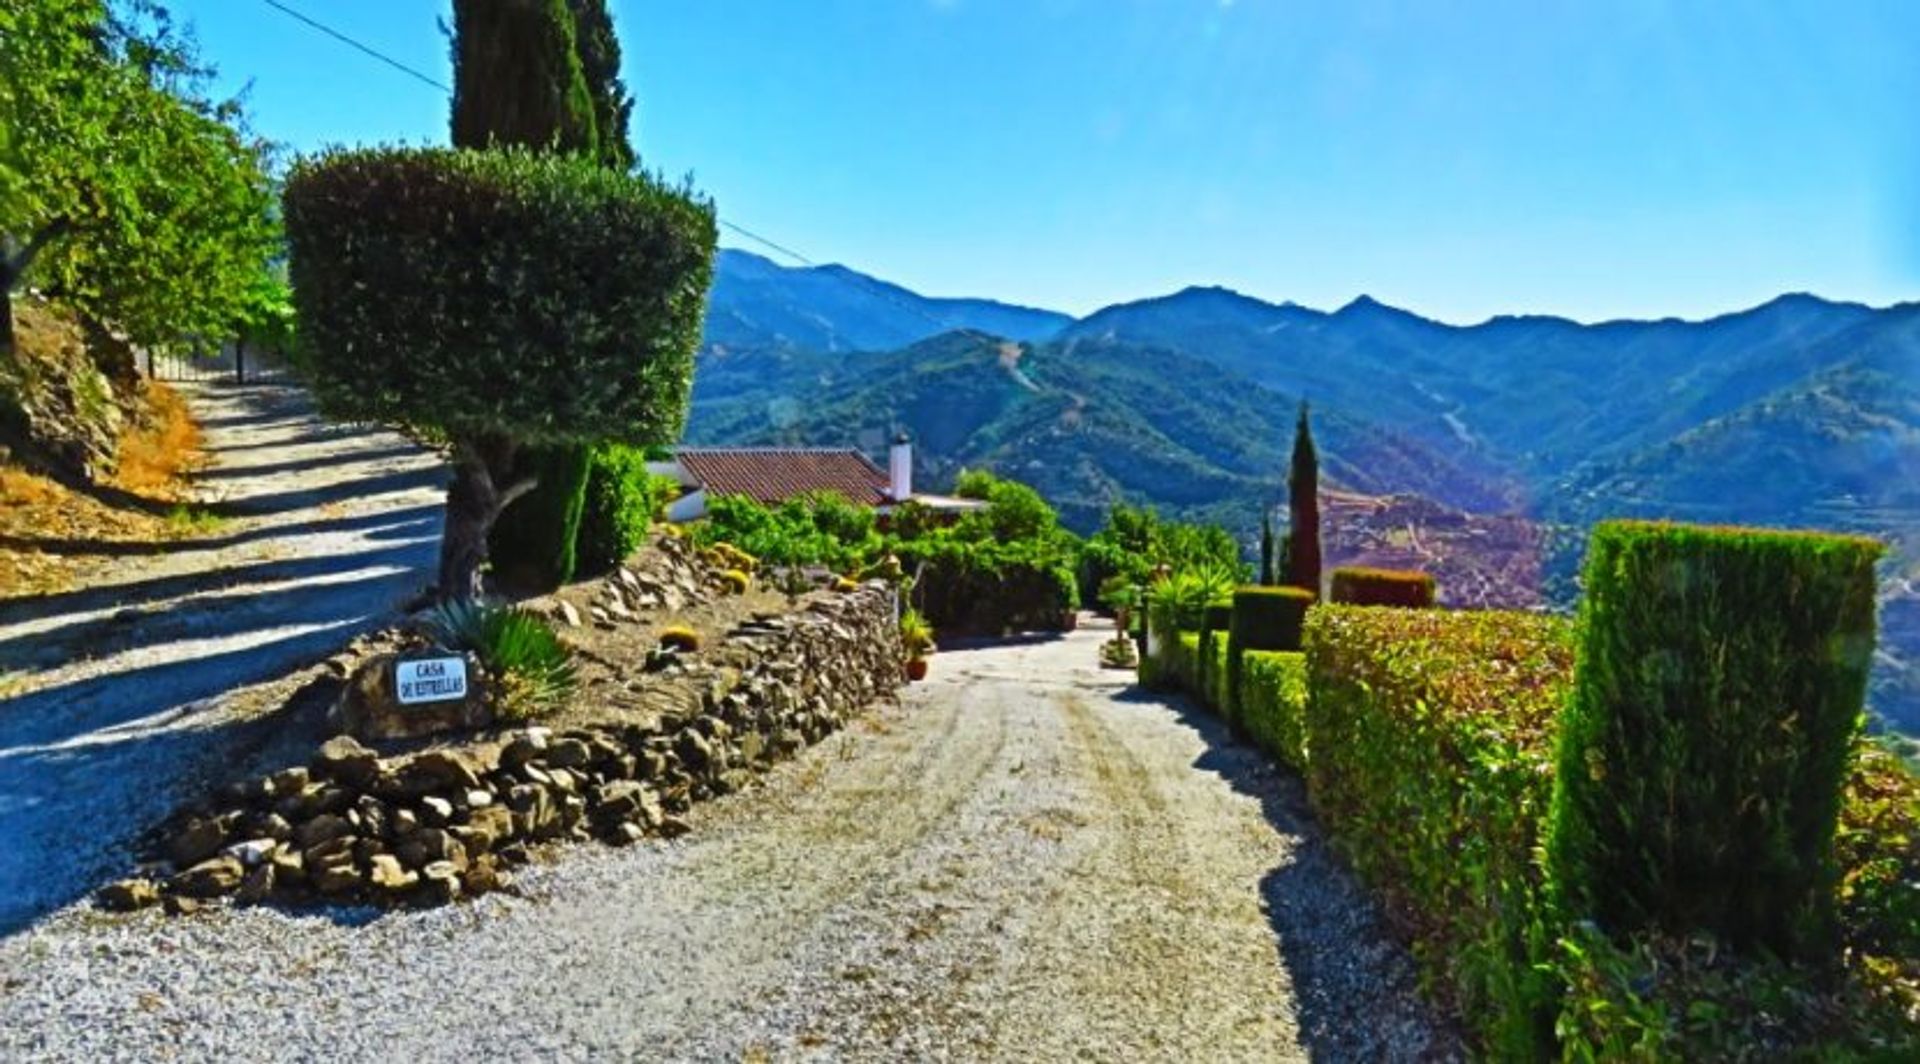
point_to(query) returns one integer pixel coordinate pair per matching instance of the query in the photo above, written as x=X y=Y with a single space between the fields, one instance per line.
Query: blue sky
x=1461 y=159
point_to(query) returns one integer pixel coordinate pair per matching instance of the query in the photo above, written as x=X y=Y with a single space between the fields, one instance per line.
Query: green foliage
x=148 y=200
x=530 y=670
x=916 y=635
x=1705 y=746
x=1137 y=543
x=1303 y=509
x=1179 y=667
x=1269 y=618
x=535 y=542
x=1269 y=575
x=466 y=293
x=517 y=79
x=622 y=500
x=1271 y=703
x=1213 y=681
x=1429 y=749
x=820 y=528
x=1361 y=586
x=599 y=51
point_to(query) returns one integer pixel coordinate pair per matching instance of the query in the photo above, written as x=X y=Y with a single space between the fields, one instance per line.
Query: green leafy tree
x=496 y=301
x=1303 y=509
x=125 y=189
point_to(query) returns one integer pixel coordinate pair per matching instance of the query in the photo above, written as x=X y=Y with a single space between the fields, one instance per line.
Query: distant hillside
x=758 y=303
x=1799 y=412
x=1087 y=423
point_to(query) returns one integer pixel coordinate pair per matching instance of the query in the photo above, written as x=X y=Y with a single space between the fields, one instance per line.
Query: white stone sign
x=417 y=680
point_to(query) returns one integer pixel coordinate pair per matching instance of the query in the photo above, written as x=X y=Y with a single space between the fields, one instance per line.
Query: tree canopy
x=125 y=189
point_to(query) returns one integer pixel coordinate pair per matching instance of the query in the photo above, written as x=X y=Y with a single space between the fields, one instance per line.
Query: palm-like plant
x=531 y=669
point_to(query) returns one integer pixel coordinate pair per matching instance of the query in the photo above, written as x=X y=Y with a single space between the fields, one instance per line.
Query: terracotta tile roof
x=773 y=474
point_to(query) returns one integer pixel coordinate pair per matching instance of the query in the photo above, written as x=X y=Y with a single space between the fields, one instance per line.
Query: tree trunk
x=474 y=502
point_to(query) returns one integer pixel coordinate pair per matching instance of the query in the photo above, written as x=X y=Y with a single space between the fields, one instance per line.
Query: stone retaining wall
x=431 y=826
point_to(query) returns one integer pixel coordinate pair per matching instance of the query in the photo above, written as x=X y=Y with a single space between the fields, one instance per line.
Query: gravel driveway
x=325 y=528
x=1027 y=860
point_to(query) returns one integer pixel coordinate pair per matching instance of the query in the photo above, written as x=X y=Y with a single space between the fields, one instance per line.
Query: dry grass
x=46 y=527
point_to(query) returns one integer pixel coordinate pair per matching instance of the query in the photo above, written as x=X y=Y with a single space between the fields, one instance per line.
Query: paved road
x=328 y=527
x=1027 y=860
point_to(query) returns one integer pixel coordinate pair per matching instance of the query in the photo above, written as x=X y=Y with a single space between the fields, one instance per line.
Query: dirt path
x=1028 y=860
x=327 y=527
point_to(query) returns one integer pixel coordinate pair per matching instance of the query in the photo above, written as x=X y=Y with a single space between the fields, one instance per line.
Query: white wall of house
x=689 y=507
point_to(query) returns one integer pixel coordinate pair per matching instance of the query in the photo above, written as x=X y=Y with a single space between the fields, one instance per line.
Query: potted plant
x=916 y=635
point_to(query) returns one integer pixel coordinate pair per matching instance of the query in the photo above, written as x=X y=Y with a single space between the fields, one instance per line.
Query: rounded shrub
x=737 y=582
x=1355 y=585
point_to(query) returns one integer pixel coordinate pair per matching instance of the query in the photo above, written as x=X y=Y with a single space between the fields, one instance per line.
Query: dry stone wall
x=431 y=826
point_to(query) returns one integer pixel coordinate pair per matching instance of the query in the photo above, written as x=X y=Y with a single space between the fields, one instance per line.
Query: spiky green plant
x=530 y=668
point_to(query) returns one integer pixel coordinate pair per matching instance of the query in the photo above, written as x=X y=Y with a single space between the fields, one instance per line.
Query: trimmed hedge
x=1430 y=737
x=1180 y=660
x=539 y=298
x=1213 y=682
x=1361 y=586
x=1705 y=746
x=621 y=501
x=1214 y=620
x=1272 y=704
x=1264 y=618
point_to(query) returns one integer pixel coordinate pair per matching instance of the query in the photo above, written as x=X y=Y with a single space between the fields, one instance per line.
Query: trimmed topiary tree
x=1303 y=509
x=1705 y=745
x=1263 y=618
x=1354 y=585
x=496 y=301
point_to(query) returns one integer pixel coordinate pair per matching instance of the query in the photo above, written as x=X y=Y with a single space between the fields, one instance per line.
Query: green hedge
x=1264 y=618
x=1355 y=585
x=621 y=501
x=1705 y=746
x=1272 y=703
x=1180 y=660
x=1215 y=618
x=1430 y=748
x=1430 y=751
x=538 y=298
x=535 y=543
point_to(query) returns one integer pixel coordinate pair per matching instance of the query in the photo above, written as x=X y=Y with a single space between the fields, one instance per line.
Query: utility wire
x=436 y=83
x=351 y=43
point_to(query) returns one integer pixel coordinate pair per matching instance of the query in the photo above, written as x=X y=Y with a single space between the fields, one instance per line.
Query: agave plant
x=916 y=634
x=532 y=671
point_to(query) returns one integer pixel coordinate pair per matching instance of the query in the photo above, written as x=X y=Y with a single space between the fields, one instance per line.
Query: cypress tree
x=518 y=81
x=1303 y=509
x=599 y=51
x=1266 y=547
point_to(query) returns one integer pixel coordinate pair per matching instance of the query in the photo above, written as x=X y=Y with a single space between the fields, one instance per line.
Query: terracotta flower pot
x=917 y=669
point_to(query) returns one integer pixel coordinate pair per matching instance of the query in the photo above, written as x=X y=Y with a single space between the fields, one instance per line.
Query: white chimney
x=900 y=460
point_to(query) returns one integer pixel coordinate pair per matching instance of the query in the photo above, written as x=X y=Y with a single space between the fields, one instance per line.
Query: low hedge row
x=1432 y=748
x=1272 y=703
x=1361 y=586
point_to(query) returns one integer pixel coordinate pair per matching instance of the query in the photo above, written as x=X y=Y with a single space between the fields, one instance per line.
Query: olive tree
x=124 y=188
x=496 y=301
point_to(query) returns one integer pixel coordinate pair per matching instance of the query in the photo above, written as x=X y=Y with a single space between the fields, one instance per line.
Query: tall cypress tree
x=1303 y=509
x=520 y=80
x=599 y=51
x=1267 y=572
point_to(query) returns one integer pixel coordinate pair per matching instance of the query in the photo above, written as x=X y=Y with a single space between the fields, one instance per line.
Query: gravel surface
x=326 y=529
x=1027 y=860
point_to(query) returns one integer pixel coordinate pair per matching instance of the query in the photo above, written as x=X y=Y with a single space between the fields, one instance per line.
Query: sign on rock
x=418 y=680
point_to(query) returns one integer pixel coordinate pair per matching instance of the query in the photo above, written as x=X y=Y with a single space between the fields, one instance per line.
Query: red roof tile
x=774 y=474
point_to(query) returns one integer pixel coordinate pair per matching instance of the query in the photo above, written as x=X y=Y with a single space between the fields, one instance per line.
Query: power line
x=375 y=53
x=351 y=43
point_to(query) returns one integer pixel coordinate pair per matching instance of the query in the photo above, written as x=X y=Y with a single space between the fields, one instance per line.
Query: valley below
x=1480 y=453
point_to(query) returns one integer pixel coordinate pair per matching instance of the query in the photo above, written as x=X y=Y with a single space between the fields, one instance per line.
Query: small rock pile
x=672 y=576
x=431 y=826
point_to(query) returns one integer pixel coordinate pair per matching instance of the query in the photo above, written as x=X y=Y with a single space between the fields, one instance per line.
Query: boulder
x=128 y=895
x=323 y=828
x=370 y=708
x=344 y=759
x=385 y=872
x=209 y=879
x=256 y=886
x=201 y=838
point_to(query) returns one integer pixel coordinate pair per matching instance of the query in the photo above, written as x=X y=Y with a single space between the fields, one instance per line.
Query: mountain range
x=1799 y=412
